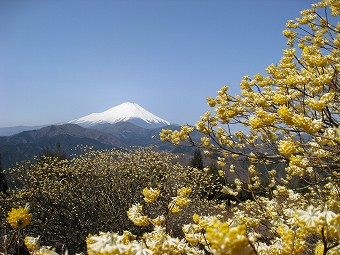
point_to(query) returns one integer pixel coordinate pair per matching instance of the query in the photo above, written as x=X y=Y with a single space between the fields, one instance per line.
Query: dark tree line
x=58 y=153
x=197 y=160
x=3 y=181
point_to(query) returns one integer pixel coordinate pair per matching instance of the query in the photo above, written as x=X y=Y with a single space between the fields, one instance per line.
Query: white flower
x=106 y=243
x=311 y=217
x=32 y=243
x=190 y=228
x=135 y=211
x=288 y=212
x=327 y=216
x=45 y=250
x=194 y=251
x=140 y=249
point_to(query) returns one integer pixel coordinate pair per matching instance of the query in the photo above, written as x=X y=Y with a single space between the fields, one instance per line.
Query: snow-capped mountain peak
x=125 y=112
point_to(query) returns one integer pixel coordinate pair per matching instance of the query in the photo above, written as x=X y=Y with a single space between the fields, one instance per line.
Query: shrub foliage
x=92 y=192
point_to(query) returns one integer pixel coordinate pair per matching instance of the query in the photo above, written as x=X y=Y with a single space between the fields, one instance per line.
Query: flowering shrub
x=92 y=192
x=293 y=118
x=157 y=241
x=289 y=117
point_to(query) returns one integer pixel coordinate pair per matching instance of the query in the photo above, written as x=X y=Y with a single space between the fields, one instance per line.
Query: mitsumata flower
x=105 y=243
x=150 y=195
x=311 y=217
x=45 y=251
x=135 y=214
x=19 y=217
x=225 y=239
x=32 y=243
x=286 y=148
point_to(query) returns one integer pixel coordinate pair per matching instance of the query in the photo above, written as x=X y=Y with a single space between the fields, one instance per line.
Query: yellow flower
x=223 y=90
x=158 y=221
x=19 y=218
x=255 y=122
x=141 y=221
x=319 y=249
x=280 y=99
x=175 y=209
x=286 y=148
x=182 y=201
x=221 y=173
x=135 y=214
x=211 y=102
x=285 y=114
x=225 y=239
x=150 y=195
x=184 y=192
x=196 y=218
x=338 y=132
x=128 y=237
x=288 y=33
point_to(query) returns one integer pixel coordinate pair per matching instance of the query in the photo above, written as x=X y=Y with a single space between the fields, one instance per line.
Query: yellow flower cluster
x=228 y=240
x=150 y=195
x=324 y=222
x=286 y=147
x=184 y=192
x=19 y=217
x=158 y=241
x=298 y=166
x=292 y=241
x=45 y=250
x=281 y=99
x=338 y=133
x=176 y=136
x=320 y=250
x=320 y=104
x=315 y=220
x=154 y=242
x=135 y=214
x=32 y=244
x=195 y=232
x=307 y=124
x=112 y=243
x=181 y=200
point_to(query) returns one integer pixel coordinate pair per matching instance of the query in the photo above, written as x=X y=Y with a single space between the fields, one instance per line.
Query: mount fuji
x=125 y=112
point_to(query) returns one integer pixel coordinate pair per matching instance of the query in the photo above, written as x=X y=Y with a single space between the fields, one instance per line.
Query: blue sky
x=61 y=60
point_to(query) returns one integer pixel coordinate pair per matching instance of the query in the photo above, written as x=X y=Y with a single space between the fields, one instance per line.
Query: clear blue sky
x=61 y=60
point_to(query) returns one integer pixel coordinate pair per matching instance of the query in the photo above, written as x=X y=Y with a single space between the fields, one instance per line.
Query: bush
x=92 y=192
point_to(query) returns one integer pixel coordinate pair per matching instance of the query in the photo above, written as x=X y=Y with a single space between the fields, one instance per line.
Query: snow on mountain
x=125 y=112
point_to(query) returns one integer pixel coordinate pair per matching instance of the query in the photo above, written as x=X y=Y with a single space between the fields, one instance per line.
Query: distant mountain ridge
x=122 y=135
x=71 y=130
x=6 y=131
x=125 y=112
x=27 y=144
x=122 y=126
